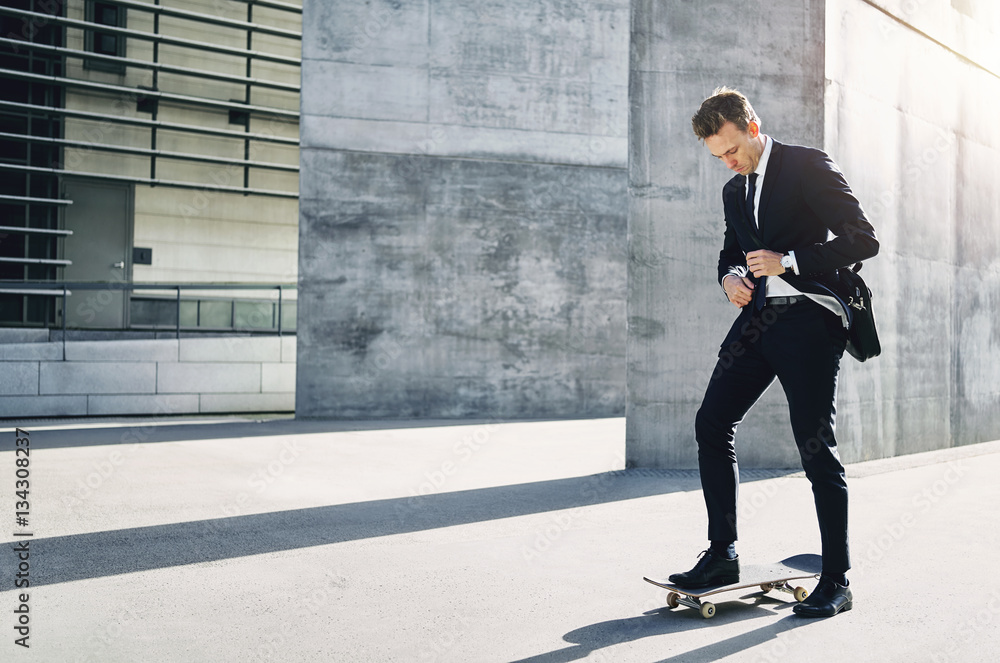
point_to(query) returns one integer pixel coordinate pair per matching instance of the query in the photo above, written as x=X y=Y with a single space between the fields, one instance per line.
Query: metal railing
x=65 y=289
x=167 y=39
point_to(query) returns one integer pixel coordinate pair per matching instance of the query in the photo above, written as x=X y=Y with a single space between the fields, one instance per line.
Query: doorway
x=101 y=218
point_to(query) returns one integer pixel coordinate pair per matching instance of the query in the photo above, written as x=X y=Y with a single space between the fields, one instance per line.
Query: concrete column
x=677 y=314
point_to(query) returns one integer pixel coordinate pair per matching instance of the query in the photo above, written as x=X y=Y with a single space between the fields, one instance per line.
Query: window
x=105 y=43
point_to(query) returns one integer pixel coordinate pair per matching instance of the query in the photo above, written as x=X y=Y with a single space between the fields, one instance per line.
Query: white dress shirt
x=777 y=286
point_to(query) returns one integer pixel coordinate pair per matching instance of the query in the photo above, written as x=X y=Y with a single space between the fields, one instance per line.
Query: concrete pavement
x=241 y=540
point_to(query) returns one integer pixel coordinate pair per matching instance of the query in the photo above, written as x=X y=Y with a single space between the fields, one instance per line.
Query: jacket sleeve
x=830 y=198
x=732 y=260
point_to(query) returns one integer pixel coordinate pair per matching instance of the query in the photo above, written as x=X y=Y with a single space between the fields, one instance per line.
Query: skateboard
x=766 y=576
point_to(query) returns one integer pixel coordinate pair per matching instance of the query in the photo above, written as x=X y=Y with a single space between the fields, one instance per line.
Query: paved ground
x=234 y=540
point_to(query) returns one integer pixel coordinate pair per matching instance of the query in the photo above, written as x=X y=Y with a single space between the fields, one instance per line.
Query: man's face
x=739 y=150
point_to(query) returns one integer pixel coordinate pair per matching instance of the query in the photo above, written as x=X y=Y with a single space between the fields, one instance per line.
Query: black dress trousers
x=801 y=345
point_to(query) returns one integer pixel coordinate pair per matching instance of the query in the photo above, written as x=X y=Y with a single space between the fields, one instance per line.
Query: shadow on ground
x=99 y=554
x=596 y=637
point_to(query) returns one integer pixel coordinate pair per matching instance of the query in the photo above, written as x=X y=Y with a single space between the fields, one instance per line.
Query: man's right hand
x=738 y=289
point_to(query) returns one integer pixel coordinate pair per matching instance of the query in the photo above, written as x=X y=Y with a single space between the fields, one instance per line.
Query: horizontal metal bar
x=43 y=293
x=214 y=299
x=37 y=261
x=118 y=285
x=211 y=330
x=149 y=36
x=30 y=199
x=160 y=154
x=141 y=122
x=152 y=182
x=206 y=18
x=34 y=231
x=163 y=96
x=155 y=66
x=284 y=6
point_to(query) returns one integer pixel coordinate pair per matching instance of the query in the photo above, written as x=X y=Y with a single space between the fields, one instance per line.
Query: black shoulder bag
x=856 y=296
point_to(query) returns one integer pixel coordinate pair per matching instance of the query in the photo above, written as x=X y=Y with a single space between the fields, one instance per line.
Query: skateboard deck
x=766 y=576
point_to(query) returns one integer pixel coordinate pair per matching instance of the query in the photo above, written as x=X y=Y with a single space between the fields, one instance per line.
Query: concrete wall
x=152 y=376
x=463 y=220
x=931 y=187
x=907 y=116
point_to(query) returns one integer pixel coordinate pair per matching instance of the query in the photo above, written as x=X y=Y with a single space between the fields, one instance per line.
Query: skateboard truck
x=707 y=608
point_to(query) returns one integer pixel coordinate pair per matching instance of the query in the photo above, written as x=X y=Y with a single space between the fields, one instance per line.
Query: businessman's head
x=730 y=128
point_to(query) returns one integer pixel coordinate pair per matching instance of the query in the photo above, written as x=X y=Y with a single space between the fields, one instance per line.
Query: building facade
x=147 y=143
x=148 y=199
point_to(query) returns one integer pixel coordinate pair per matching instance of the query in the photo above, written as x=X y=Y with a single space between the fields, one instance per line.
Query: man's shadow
x=664 y=621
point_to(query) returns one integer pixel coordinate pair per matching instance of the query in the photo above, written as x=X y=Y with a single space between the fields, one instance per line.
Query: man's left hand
x=765 y=263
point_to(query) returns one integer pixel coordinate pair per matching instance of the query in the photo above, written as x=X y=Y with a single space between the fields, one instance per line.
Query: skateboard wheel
x=672 y=600
x=801 y=593
x=766 y=587
x=707 y=610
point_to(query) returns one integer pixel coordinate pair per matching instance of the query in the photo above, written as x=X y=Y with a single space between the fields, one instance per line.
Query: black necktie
x=759 y=295
x=751 y=194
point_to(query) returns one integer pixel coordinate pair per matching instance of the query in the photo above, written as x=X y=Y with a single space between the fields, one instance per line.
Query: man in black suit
x=791 y=223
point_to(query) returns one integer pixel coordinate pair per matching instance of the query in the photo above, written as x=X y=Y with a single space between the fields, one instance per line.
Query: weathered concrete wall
x=677 y=314
x=918 y=136
x=463 y=219
x=907 y=116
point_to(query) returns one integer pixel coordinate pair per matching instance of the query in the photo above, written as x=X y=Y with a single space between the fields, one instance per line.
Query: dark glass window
x=105 y=43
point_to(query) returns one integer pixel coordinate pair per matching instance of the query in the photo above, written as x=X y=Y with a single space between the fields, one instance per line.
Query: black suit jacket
x=804 y=199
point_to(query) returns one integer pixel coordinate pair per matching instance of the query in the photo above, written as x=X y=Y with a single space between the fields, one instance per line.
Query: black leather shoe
x=827 y=600
x=711 y=569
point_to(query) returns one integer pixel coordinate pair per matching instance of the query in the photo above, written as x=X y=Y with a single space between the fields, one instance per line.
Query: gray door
x=100 y=246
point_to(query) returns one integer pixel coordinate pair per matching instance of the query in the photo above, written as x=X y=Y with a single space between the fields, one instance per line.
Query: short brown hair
x=725 y=105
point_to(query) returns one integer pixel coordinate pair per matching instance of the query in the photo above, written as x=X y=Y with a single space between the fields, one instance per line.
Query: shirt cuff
x=795 y=264
x=722 y=282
